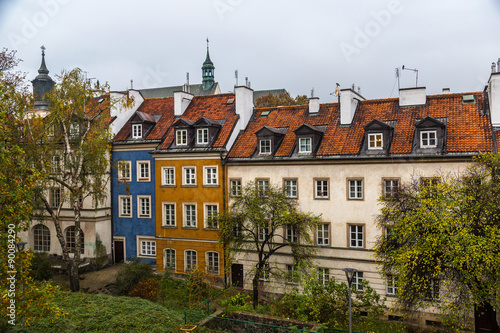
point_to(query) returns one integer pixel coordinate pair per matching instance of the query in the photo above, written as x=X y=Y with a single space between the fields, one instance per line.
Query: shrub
x=131 y=274
x=41 y=266
x=146 y=288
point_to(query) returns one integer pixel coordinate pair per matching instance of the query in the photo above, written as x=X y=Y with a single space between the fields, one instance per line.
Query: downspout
x=223 y=167
x=111 y=206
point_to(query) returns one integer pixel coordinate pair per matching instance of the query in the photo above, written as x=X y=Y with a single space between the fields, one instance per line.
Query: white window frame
x=324 y=275
x=172 y=222
x=181 y=137
x=291 y=188
x=291 y=234
x=262 y=233
x=70 y=237
x=74 y=129
x=136 y=131
x=121 y=200
x=41 y=238
x=305 y=145
x=235 y=187
x=357 y=278
x=125 y=171
x=291 y=274
x=391 y=186
x=319 y=189
x=191 y=224
x=147 y=247
x=55 y=199
x=323 y=234
x=212 y=260
x=264 y=276
x=191 y=181
x=207 y=212
x=55 y=163
x=211 y=175
x=189 y=263
x=265 y=146
x=169 y=258
x=202 y=136
x=144 y=211
x=426 y=139
x=356 y=236
x=165 y=179
x=355 y=189
x=140 y=176
x=375 y=141
x=263 y=186
x=391 y=285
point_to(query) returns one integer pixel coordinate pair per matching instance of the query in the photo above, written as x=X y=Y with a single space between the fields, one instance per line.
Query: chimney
x=446 y=90
x=412 y=96
x=313 y=105
x=181 y=102
x=120 y=114
x=349 y=100
x=494 y=97
x=244 y=105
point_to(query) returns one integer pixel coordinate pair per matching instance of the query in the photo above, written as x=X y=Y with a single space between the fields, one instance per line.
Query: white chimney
x=123 y=115
x=446 y=90
x=412 y=96
x=349 y=100
x=181 y=102
x=494 y=98
x=244 y=105
x=313 y=105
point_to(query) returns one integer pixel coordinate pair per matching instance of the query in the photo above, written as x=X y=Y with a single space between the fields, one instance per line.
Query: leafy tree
x=443 y=241
x=17 y=183
x=271 y=100
x=264 y=221
x=69 y=147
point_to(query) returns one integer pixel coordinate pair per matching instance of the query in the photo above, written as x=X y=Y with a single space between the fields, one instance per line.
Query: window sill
x=322 y=198
x=169 y=227
x=168 y=186
x=190 y=185
x=210 y=185
x=211 y=229
x=189 y=228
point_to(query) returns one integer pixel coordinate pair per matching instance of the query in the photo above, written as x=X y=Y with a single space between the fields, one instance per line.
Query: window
x=391 y=285
x=71 y=239
x=137 y=131
x=391 y=187
x=125 y=206
x=190 y=216
x=148 y=248
x=432 y=181
x=291 y=188
x=55 y=164
x=143 y=174
x=263 y=233
x=74 y=130
x=355 y=189
x=375 y=141
x=212 y=262
x=356 y=236
x=41 y=238
x=211 y=175
x=292 y=275
x=144 y=206
x=265 y=147
x=235 y=187
x=202 y=136
x=305 y=145
x=181 y=137
x=55 y=197
x=211 y=216
x=169 y=214
x=291 y=234
x=432 y=290
x=428 y=139
x=264 y=274
x=189 y=175
x=168 y=174
x=190 y=261
x=321 y=189
x=357 y=279
x=323 y=275
x=124 y=170
x=263 y=186
x=323 y=234
x=169 y=259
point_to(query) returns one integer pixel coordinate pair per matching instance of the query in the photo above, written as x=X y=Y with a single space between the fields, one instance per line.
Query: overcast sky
x=293 y=44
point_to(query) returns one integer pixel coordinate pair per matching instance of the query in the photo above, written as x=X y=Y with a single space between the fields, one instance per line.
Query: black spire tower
x=42 y=84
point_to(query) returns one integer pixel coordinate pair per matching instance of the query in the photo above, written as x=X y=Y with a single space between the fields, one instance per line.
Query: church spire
x=208 y=71
x=42 y=84
x=43 y=68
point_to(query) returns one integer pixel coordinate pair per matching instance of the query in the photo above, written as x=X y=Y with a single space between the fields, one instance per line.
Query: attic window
x=428 y=139
x=181 y=137
x=230 y=101
x=264 y=114
x=468 y=99
x=375 y=141
x=265 y=146
x=137 y=131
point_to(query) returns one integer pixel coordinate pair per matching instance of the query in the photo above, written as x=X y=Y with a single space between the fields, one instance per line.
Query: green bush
x=41 y=266
x=146 y=288
x=130 y=275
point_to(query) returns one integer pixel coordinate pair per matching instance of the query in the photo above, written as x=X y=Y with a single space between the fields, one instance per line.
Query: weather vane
x=43 y=50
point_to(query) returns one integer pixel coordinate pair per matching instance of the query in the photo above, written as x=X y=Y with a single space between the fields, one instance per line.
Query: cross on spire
x=43 y=50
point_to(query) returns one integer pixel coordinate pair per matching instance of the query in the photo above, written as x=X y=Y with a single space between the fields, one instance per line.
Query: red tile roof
x=468 y=129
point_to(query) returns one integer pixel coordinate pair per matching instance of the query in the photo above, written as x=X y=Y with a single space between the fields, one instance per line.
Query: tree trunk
x=74 y=278
x=255 y=284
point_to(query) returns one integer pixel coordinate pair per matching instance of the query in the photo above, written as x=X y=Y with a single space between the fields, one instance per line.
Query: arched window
x=41 y=238
x=71 y=239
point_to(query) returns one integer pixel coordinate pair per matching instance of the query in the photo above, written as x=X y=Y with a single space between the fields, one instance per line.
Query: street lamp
x=20 y=248
x=349 y=274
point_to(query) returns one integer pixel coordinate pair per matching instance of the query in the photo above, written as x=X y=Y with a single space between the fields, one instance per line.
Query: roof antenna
x=187 y=82
x=416 y=73
x=337 y=91
x=246 y=81
x=312 y=92
x=493 y=67
x=131 y=84
x=236 y=77
x=397 y=77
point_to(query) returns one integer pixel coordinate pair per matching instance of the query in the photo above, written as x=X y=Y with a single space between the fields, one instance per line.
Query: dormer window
x=181 y=137
x=428 y=139
x=202 y=136
x=375 y=141
x=305 y=145
x=137 y=131
x=265 y=147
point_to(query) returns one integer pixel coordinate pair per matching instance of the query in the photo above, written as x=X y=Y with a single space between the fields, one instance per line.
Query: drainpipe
x=223 y=167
